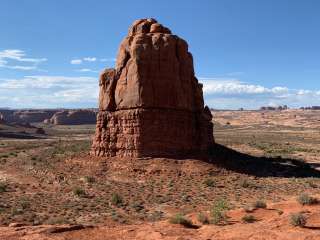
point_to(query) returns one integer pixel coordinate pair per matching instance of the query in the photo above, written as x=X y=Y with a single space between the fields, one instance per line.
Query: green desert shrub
x=116 y=199
x=218 y=212
x=89 y=179
x=298 y=220
x=79 y=192
x=3 y=187
x=180 y=219
x=249 y=218
x=306 y=199
x=209 y=182
x=259 y=204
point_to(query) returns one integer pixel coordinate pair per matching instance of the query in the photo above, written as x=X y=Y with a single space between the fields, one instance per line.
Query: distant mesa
x=52 y=116
x=311 y=108
x=75 y=117
x=151 y=103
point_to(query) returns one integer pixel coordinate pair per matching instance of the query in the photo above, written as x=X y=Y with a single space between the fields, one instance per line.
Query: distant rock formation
x=279 y=108
x=311 y=108
x=151 y=104
x=40 y=131
x=2 y=120
x=32 y=116
x=26 y=116
x=74 y=117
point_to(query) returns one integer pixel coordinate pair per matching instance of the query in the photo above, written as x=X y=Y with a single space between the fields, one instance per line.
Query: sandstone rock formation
x=151 y=104
x=26 y=116
x=73 y=117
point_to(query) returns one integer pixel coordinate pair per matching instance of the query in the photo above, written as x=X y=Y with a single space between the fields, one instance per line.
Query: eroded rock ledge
x=151 y=104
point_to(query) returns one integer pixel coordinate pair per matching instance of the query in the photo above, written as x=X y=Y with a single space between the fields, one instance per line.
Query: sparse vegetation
x=248 y=218
x=209 y=182
x=182 y=220
x=306 y=199
x=79 y=192
x=89 y=179
x=218 y=212
x=116 y=199
x=298 y=220
x=3 y=187
x=203 y=218
x=259 y=204
x=244 y=183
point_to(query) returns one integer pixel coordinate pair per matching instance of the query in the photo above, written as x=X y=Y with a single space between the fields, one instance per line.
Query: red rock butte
x=152 y=104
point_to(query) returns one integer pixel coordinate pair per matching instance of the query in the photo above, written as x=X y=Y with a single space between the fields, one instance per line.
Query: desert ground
x=51 y=188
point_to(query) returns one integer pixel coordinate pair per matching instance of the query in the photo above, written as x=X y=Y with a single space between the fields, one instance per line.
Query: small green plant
x=89 y=179
x=298 y=220
x=203 y=218
x=116 y=199
x=24 y=203
x=249 y=218
x=244 y=183
x=79 y=192
x=182 y=220
x=248 y=209
x=218 y=212
x=3 y=187
x=259 y=204
x=137 y=206
x=305 y=199
x=209 y=182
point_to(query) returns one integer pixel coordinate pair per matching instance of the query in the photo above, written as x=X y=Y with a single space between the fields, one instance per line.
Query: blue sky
x=247 y=53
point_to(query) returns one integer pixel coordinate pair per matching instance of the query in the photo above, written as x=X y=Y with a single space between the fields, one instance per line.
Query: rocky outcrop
x=151 y=104
x=26 y=116
x=33 y=116
x=74 y=117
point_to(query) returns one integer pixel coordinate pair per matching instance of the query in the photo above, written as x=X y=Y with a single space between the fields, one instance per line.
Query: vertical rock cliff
x=151 y=104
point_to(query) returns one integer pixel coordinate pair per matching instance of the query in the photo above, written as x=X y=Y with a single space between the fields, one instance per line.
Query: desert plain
x=264 y=164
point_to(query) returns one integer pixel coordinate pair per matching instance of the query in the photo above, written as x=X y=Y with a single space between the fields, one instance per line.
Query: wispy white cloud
x=86 y=70
x=90 y=59
x=15 y=55
x=233 y=94
x=76 y=61
x=49 y=91
x=108 y=59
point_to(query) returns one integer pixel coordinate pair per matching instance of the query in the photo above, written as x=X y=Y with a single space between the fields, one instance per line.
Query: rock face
x=74 y=117
x=151 y=104
x=26 y=116
x=34 y=116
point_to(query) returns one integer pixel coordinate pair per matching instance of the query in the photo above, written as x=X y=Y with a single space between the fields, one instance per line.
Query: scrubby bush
x=79 y=192
x=259 y=204
x=305 y=199
x=3 y=187
x=244 y=183
x=209 y=182
x=203 y=218
x=89 y=179
x=182 y=220
x=249 y=218
x=116 y=199
x=298 y=219
x=218 y=212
